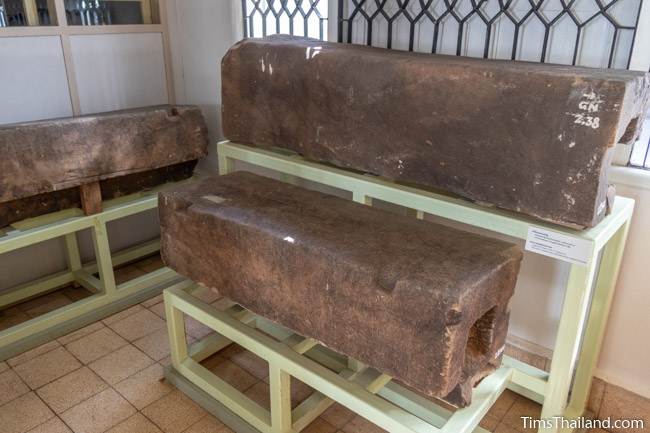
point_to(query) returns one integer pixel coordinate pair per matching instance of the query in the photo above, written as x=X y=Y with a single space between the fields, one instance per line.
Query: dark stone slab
x=45 y=163
x=527 y=137
x=52 y=155
x=41 y=204
x=422 y=302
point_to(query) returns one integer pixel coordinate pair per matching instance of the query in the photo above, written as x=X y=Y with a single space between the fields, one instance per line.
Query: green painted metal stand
x=562 y=392
x=107 y=298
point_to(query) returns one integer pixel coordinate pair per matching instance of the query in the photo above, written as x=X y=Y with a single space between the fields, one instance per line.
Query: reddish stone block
x=44 y=163
x=422 y=302
x=532 y=138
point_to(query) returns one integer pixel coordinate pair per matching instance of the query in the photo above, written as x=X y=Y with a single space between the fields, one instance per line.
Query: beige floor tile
x=138 y=325
x=260 y=393
x=152 y=301
x=196 y=329
x=23 y=414
x=156 y=344
x=54 y=425
x=122 y=314
x=232 y=373
x=503 y=428
x=138 y=423
x=596 y=395
x=521 y=408
x=47 y=367
x=45 y=304
x=619 y=403
x=489 y=423
x=299 y=391
x=193 y=327
x=93 y=346
x=11 y=387
x=174 y=413
x=120 y=364
x=12 y=317
x=99 y=413
x=33 y=353
x=319 y=426
x=247 y=360
x=208 y=424
x=338 y=415
x=71 y=389
x=361 y=425
x=158 y=309
x=79 y=333
x=502 y=405
x=144 y=387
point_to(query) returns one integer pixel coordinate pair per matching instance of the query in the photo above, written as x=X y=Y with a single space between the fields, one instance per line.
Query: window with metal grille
x=294 y=17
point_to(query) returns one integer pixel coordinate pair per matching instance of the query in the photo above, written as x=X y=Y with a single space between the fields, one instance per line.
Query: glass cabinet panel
x=107 y=12
x=19 y=13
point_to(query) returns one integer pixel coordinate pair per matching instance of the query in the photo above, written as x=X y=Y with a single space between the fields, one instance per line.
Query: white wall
x=201 y=33
x=33 y=83
x=115 y=72
x=625 y=359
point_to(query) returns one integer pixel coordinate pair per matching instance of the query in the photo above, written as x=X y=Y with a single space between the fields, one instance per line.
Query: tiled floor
x=108 y=377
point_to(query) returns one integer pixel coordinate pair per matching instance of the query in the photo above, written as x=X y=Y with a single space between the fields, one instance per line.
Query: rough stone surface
x=422 y=302
x=44 y=162
x=531 y=138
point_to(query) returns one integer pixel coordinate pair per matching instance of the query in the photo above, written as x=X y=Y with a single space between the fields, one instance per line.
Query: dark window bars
x=299 y=17
x=574 y=16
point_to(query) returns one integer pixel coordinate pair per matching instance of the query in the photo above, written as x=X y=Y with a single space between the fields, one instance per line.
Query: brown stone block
x=53 y=155
x=58 y=164
x=422 y=302
x=531 y=138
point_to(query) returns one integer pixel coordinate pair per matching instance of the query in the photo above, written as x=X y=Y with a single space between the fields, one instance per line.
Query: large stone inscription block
x=531 y=138
x=43 y=163
x=422 y=302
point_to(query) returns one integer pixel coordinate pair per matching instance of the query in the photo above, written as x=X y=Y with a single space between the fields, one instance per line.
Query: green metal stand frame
x=107 y=298
x=562 y=392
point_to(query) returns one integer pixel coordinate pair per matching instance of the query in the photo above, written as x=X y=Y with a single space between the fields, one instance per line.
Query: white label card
x=559 y=246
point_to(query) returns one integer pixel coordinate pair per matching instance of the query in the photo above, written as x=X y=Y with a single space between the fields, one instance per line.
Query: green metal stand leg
x=361 y=198
x=72 y=252
x=226 y=165
x=597 y=321
x=574 y=312
x=103 y=255
x=280 y=384
x=176 y=330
